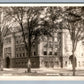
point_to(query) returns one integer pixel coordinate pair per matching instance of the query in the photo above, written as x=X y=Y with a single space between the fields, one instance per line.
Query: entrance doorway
x=7 y=62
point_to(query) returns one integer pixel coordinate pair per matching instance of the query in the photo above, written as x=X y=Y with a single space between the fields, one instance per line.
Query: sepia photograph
x=42 y=40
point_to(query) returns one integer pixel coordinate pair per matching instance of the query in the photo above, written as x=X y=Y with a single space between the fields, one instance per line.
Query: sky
x=41 y=82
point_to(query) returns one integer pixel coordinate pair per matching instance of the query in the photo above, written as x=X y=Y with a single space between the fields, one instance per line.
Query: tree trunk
x=29 y=51
x=47 y=49
x=73 y=58
x=53 y=47
x=1 y=64
x=36 y=46
x=29 y=60
x=29 y=66
x=27 y=47
x=60 y=44
x=73 y=48
x=1 y=42
x=1 y=67
x=73 y=65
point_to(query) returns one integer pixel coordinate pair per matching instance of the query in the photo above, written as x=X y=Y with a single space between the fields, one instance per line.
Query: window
x=83 y=42
x=16 y=55
x=20 y=55
x=22 y=62
x=23 y=54
x=16 y=49
x=22 y=48
x=7 y=40
x=56 y=44
x=57 y=63
x=65 y=63
x=50 y=45
x=50 y=53
x=45 y=45
x=55 y=53
x=33 y=45
x=83 y=63
x=79 y=63
x=19 y=49
x=7 y=50
x=34 y=53
x=45 y=52
x=16 y=42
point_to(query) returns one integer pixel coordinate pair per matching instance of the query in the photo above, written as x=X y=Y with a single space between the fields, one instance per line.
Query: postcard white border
x=42 y=78
x=49 y=78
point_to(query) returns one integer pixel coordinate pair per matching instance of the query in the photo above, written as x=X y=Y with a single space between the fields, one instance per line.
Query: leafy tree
x=31 y=17
x=74 y=23
x=54 y=22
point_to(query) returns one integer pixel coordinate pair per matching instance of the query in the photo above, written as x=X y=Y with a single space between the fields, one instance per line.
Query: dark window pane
x=34 y=53
x=55 y=53
x=45 y=53
x=50 y=53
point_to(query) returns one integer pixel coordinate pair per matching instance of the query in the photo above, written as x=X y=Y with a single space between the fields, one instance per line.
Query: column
x=12 y=51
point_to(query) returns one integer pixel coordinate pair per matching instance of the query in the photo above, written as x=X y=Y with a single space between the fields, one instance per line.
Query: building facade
x=50 y=52
x=1 y=52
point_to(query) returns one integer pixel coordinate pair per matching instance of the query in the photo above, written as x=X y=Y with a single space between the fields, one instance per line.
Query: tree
x=34 y=29
x=1 y=41
x=3 y=21
x=54 y=22
x=74 y=23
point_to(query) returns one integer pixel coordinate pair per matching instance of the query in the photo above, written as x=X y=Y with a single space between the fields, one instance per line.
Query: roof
x=13 y=28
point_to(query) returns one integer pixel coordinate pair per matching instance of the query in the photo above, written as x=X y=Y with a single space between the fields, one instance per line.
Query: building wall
x=50 y=51
x=67 y=51
x=50 y=55
x=1 y=50
x=14 y=49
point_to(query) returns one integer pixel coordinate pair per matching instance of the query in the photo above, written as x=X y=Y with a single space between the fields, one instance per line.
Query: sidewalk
x=39 y=72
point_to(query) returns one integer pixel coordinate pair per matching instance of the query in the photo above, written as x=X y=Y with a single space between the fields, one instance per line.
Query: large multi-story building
x=52 y=52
